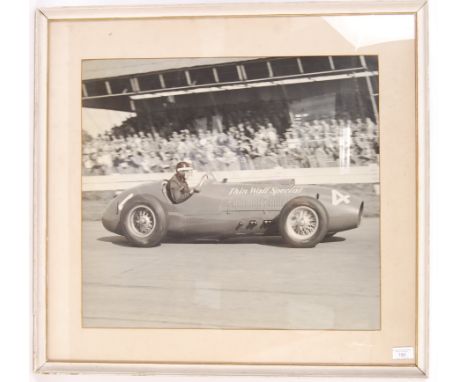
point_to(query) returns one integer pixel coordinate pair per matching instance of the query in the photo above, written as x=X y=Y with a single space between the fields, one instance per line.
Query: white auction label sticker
x=404 y=352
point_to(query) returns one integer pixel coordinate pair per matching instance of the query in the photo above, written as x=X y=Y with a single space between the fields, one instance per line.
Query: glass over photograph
x=231 y=193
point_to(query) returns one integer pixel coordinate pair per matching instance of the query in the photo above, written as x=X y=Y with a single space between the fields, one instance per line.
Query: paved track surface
x=240 y=283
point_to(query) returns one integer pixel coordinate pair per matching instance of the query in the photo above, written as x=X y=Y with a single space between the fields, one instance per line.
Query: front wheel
x=303 y=222
x=144 y=222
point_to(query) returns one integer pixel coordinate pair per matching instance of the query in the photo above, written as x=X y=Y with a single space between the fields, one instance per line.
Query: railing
x=325 y=175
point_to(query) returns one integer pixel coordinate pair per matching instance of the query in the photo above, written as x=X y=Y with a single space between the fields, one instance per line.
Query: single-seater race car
x=303 y=215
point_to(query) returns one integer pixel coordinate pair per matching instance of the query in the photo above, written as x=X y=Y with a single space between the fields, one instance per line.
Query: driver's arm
x=179 y=193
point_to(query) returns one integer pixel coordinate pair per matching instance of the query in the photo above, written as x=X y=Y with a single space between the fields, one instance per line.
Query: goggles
x=187 y=171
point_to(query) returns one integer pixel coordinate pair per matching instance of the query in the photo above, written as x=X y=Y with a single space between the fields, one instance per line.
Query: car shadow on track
x=273 y=241
x=117 y=240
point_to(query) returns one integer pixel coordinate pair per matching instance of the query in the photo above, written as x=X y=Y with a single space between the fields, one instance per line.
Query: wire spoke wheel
x=302 y=223
x=141 y=221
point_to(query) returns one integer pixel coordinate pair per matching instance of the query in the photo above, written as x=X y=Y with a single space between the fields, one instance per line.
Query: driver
x=178 y=187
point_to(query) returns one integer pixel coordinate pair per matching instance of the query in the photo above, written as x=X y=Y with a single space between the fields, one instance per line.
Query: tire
x=144 y=221
x=313 y=225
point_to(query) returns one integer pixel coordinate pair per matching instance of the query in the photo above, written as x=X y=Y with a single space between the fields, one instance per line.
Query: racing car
x=303 y=215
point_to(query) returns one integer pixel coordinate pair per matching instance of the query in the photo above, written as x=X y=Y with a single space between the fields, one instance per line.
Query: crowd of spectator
x=235 y=146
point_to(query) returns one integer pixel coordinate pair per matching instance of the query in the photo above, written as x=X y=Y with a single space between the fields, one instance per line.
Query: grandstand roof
x=96 y=69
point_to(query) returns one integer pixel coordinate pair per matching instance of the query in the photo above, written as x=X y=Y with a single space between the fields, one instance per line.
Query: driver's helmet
x=184 y=168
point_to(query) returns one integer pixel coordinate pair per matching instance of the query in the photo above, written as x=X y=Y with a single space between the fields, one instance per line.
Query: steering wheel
x=202 y=181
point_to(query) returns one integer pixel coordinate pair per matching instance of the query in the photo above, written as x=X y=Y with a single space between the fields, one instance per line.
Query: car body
x=302 y=214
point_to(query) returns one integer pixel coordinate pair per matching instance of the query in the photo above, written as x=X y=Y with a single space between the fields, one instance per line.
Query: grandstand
x=324 y=85
x=237 y=114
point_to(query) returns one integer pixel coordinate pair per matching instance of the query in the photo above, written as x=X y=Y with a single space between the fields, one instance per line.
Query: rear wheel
x=144 y=222
x=303 y=222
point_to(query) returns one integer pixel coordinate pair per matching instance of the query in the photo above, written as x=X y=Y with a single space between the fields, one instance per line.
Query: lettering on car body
x=251 y=198
x=266 y=190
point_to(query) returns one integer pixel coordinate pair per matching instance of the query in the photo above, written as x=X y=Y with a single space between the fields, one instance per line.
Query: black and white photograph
x=231 y=193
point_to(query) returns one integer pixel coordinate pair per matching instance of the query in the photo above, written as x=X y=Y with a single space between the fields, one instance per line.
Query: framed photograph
x=232 y=189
